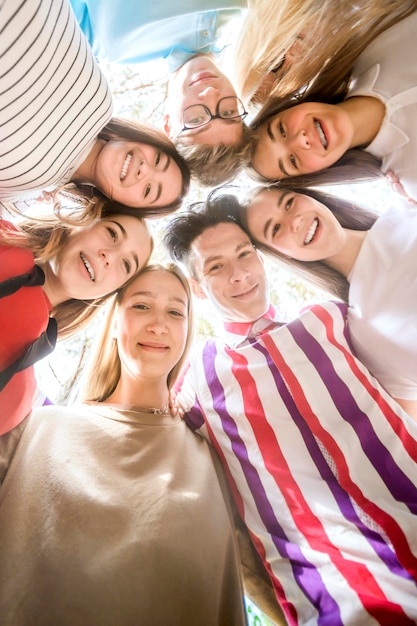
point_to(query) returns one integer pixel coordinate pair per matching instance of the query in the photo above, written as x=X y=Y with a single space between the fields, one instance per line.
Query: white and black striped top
x=54 y=99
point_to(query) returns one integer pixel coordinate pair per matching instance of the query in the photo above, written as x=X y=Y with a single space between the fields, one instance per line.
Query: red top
x=24 y=315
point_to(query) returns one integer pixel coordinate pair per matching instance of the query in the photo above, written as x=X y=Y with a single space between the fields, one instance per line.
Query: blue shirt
x=125 y=32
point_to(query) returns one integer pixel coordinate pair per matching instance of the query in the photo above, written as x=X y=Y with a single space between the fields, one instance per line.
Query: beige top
x=113 y=517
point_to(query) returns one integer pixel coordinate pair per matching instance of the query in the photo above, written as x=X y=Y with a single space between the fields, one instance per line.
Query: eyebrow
x=272 y=138
x=124 y=235
x=152 y=294
x=217 y=257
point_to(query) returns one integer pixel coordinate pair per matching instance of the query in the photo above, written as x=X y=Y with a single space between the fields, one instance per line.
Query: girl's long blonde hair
x=103 y=373
x=334 y=33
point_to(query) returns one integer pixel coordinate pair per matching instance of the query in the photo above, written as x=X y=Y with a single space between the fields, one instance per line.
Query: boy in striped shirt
x=320 y=459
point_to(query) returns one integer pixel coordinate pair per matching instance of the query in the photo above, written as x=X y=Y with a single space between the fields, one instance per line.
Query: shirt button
x=205 y=33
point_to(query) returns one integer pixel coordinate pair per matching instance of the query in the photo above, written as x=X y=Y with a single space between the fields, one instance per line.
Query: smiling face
x=303 y=139
x=295 y=225
x=231 y=273
x=137 y=174
x=199 y=81
x=97 y=259
x=152 y=325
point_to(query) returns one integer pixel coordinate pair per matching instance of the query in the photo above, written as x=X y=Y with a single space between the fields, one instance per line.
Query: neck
x=140 y=394
x=52 y=287
x=366 y=114
x=344 y=260
x=85 y=172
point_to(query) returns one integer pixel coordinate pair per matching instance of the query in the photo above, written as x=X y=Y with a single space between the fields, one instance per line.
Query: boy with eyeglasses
x=188 y=35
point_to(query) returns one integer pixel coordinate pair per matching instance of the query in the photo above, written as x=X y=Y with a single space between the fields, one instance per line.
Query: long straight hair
x=335 y=33
x=103 y=374
x=318 y=273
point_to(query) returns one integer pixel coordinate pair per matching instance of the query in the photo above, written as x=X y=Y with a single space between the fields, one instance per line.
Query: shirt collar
x=237 y=332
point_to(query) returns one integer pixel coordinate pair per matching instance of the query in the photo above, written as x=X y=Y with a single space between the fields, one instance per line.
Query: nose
x=238 y=274
x=301 y=140
x=293 y=222
x=157 y=325
x=107 y=257
x=144 y=169
x=209 y=95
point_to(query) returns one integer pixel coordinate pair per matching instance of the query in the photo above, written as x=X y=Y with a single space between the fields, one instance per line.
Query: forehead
x=159 y=285
x=218 y=241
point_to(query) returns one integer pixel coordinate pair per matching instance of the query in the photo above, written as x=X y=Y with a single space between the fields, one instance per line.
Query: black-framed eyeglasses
x=197 y=115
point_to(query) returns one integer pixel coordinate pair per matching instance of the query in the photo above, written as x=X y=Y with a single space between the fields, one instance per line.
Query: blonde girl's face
x=295 y=225
x=152 y=325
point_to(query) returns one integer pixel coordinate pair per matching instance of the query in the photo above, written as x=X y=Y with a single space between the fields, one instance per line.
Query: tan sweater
x=115 y=518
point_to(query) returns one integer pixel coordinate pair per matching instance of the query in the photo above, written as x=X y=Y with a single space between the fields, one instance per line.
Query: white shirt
x=387 y=70
x=383 y=301
x=54 y=99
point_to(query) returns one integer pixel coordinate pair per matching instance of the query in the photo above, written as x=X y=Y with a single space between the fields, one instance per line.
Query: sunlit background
x=139 y=93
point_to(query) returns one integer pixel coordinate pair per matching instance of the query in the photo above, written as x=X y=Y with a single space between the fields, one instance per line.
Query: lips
x=246 y=294
x=202 y=76
x=154 y=347
x=311 y=232
x=125 y=166
x=322 y=135
x=88 y=267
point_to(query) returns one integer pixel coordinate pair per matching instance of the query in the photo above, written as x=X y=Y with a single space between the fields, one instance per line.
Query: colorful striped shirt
x=54 y=99
x=322 y=464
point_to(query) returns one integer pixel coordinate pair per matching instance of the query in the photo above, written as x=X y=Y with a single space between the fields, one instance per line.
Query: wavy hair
x=218 y=164
x=104 y=371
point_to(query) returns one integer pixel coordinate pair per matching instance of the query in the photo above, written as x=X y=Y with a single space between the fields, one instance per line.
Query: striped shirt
x=54 y=100
x=322 y=464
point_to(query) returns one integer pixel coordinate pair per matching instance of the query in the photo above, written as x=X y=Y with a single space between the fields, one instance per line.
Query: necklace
x=141 y=409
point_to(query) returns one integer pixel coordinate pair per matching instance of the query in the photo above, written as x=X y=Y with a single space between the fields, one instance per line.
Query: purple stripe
x=398 y=483
x=306 y=575
x=376 y=541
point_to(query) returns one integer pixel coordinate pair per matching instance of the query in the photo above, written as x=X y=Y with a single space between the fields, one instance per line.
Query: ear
x=196 y=289
x=167 y=125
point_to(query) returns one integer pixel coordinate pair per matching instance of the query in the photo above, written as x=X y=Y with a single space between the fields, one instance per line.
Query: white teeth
x=125 y=167
x=88 y=267
x=311 y=232
x=321 y=134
